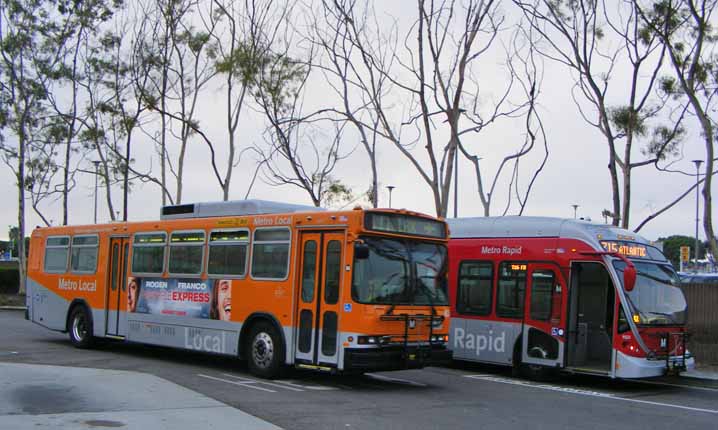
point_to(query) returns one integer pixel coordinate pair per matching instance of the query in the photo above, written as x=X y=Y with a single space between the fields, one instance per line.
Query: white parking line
x=247 y=384
x=401 y=381
x=581 y=392
x=692 y=387
x=246 y=380
x=293 y=383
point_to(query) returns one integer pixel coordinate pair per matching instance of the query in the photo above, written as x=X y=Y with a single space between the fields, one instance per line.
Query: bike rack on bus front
x=407 y=318
x=681 y=341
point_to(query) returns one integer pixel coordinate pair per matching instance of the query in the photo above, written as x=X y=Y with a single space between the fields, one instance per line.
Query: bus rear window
x=148 y=253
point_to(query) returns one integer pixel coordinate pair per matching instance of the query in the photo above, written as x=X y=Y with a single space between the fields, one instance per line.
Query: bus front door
x=116 y=302
x=543 y=329
x=318 y=302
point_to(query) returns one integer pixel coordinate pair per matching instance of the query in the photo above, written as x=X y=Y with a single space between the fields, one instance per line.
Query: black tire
x=80 y=328
x=532 y=372
x=536 y=372
x=265 y=351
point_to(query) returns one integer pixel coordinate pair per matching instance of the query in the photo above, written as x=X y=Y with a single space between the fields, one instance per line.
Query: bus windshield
x=401 y=272
x=656 y=298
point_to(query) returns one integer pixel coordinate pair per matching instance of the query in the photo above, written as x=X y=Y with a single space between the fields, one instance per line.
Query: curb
x=13 y=308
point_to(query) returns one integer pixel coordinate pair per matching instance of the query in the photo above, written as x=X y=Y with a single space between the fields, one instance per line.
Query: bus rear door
x=543 y=328
x=116 y=303
x=318 y=302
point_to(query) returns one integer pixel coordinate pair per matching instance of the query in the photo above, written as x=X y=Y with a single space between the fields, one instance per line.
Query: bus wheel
x=535 y=372
x=265 y=356
x=80 y=328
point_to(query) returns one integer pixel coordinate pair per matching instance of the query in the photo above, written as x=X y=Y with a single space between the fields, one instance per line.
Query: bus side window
x=186 y=252
x=270 y=253
x=148 y=253
x=228 y=252
x=57 y=249
x=511 y=290
x=476 y=279
x=542 y=285
x=84 y=254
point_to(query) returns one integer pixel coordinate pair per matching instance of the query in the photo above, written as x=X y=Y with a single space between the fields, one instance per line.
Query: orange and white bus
x=276 y=284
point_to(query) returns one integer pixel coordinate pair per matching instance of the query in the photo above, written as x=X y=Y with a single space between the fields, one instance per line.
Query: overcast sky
x=575 y=173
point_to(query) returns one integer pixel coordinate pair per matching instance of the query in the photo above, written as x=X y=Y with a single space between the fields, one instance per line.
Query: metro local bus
x=276 y=284
x=541 y=294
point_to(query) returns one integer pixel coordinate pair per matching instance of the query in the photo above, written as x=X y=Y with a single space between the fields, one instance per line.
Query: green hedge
x=9 y=279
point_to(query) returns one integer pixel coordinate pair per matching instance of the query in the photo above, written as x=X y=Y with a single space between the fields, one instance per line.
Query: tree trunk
x=22 y=263
x=615 y=186
x=126 y=178
x=626 y=168
x=707 y=195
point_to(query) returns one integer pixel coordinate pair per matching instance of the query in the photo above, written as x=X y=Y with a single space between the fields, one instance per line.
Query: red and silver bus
x=541 y=294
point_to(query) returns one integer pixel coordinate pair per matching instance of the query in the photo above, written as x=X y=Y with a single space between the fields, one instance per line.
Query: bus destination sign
x=635 y=250
x=405 y=224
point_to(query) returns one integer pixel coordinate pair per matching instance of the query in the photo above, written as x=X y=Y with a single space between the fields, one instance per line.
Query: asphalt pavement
x=36 y=396
x=47 y=383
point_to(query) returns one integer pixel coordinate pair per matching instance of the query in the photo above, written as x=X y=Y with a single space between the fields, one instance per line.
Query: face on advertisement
x=224 y=299
x=133 y=293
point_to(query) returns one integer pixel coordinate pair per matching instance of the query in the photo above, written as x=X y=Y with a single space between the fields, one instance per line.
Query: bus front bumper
x=395 y=357
x=641 y=367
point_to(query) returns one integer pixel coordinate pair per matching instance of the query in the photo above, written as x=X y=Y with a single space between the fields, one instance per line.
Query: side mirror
x=629 y=277
x=361 y=251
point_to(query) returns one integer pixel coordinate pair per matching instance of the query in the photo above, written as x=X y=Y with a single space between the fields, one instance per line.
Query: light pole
x=575 y=208
x=96 y=163
x=390 y=188
x=698 y=166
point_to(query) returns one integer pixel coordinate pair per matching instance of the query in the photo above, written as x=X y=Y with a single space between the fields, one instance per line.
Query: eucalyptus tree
x=593 y=39
x=300 y=151
x=237 y=51
x=186 y=59
x=351 y=50
x=421 y=89
x=33 y=35
x=688 y=33
x=84 y=20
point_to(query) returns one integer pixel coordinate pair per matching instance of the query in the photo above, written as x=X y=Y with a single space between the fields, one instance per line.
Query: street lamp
x=390 y=188
x=575 y=208
x=96 y=163
x=698 y=166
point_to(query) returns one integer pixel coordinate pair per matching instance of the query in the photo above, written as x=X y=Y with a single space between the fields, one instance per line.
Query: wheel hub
x=263 y=350
x=79 y=328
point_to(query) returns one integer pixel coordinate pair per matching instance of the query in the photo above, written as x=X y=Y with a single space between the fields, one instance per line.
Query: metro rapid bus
x=276 y=284
x=545 y=294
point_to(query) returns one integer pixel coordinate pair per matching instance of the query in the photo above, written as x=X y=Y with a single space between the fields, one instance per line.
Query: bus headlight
x=366 y=340
x=439 y=338
x=373 y=340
